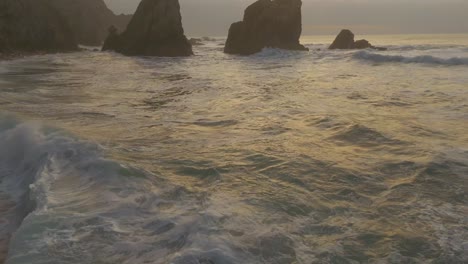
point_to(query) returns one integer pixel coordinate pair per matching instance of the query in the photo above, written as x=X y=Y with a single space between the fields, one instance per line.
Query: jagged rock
x=121 y=21
x=89 y=19
x=345 y=40
x=113 y=40
x=267 y=23
x=362 y=44
x=155 y=30
x=33 y=26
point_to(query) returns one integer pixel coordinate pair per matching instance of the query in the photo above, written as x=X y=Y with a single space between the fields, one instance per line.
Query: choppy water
x=281 y=157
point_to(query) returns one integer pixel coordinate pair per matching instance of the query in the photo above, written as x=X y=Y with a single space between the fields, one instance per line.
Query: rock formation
x=31 y=26
x=362 y=44
x=345 y=40
x=89 y=19
x=113 y=39
x=267 y=23
x=155 y=30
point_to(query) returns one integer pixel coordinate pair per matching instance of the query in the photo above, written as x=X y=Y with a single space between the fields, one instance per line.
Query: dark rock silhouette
x=113 y=39
x=120 y=22
x=345 y=40
x=33 y=26
x=362 y=44
x=155 y=30
x=267 y=23
x=89 y=19
x=41 y=26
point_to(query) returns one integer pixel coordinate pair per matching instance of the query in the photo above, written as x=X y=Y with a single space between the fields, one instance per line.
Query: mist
x=213 y=17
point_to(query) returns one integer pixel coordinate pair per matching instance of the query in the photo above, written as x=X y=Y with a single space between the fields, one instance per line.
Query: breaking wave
x=59 y=197
x=50 y=179
x=427 y=47
x=426 y=59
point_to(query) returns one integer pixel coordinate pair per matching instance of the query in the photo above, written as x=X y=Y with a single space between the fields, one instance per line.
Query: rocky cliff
x=267 y=23
x=89 y=19
x=155 y=30
x=33 y=26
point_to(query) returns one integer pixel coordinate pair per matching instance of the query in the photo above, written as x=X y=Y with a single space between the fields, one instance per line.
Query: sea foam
x=69 y=199
x=425 y=59
x=50 y=176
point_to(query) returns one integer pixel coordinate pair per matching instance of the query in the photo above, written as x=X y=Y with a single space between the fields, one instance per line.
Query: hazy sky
x=213 y=17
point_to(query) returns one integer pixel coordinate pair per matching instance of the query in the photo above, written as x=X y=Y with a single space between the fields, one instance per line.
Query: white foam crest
x=27 y=154
x=48 y=175
x=425 y=59
x=21 y=157
x=86 y=203
x=277 y=53
x=426 y=47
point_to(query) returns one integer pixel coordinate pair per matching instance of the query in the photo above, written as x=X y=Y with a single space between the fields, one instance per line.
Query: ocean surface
x=281 y=157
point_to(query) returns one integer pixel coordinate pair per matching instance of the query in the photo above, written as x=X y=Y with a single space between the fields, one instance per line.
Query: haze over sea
x=280 y=157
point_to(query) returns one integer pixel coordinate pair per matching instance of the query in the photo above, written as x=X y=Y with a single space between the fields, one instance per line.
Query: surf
x=422 y=59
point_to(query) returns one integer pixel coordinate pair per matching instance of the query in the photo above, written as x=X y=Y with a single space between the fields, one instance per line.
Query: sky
x=327 y=17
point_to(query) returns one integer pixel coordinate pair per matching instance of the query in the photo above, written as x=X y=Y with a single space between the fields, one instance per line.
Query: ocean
x=280 y=157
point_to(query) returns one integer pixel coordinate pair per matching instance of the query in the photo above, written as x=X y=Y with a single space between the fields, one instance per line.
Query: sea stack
x=33 y=26
x=345 y=40
x=89 y=19
x=154 y=30
x=267 y=23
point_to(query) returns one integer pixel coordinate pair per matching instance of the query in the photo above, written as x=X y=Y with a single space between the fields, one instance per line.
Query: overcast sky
x=213 y=17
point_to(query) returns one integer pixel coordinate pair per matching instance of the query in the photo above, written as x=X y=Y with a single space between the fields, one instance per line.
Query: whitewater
x=280 y=157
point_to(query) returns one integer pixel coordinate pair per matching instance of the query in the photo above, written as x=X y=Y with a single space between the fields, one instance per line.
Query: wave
x=363 y=136
x=426 y=59
x=277 y=53
x=426 y=47
x=54 y=180
x=72 y=205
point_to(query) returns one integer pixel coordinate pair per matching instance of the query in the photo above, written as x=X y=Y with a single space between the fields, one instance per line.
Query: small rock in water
x=362 y=44
x=345 y=40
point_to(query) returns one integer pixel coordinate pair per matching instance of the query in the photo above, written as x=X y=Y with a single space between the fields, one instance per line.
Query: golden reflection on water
x=327 y=149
